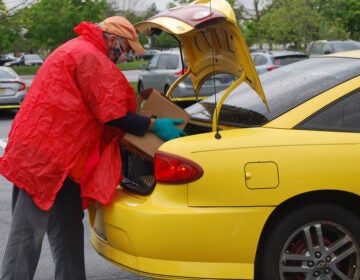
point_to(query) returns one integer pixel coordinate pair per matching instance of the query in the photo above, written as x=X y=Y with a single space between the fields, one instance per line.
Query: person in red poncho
x=63 y=150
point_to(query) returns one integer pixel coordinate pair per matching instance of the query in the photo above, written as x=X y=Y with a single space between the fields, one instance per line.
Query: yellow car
x=267 y=184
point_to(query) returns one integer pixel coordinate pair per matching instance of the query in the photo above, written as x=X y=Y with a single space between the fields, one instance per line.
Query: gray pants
x=64 y=227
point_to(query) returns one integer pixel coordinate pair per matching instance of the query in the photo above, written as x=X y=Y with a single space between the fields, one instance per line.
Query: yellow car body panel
x=243 y=186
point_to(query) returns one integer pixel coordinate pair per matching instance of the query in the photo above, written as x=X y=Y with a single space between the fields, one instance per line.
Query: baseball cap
x=120 y=26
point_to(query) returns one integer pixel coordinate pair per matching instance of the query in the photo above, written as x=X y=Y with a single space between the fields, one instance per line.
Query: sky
x=160 y=4
x=140 y=5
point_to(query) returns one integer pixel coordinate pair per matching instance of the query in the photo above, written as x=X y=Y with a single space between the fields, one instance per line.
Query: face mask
x=114 y=53
x=122 y=57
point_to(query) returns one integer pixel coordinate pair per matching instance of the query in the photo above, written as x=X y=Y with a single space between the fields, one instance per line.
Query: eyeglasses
x=124 y=45
x=121 y=52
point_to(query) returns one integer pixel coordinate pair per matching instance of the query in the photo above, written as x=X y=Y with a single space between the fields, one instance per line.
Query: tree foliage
x=50 y=23
x=45 y=24
x=296 y=22
x=289 y=22
x=345 y=15
x=9 y=29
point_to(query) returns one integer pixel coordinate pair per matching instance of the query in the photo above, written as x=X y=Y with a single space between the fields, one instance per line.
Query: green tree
x=343 y=19
x=289 y=22
x=250 y=15
x=50 y=23
x=8 y=29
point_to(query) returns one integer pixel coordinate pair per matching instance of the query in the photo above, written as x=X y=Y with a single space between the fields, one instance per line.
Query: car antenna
x=217 y=133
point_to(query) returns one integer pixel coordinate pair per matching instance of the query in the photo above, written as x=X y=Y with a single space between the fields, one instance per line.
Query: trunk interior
x=138 y=172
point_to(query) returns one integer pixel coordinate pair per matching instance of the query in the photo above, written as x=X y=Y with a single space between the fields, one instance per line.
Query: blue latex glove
x=166 y=128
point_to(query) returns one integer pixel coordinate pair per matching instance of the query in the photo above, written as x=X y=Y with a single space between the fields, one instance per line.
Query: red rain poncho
x=61 y=121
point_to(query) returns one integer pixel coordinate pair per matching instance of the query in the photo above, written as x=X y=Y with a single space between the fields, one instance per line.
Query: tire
x=319 y=241
x=166 y=88
x=140 y=86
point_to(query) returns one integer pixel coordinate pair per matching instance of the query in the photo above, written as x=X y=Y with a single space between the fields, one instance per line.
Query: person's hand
x=166 y=128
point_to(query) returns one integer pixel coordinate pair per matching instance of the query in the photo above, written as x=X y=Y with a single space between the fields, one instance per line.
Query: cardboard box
x=152 y=104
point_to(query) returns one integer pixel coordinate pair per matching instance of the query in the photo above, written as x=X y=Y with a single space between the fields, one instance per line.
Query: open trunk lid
x=210 y=40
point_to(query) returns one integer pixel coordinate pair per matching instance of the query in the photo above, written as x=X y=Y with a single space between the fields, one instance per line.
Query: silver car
x=322 y=47
x=26 y=60
x=166 y=67
x=12 y=89
x=266 y=61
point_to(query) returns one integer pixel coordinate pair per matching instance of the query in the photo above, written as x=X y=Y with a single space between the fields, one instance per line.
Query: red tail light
x=21 y=85
x=272 y=68
x=180 y=72
x=169 y=168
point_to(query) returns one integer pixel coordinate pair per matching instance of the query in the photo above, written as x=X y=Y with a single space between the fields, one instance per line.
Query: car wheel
x=312 y=242
x=140 y=86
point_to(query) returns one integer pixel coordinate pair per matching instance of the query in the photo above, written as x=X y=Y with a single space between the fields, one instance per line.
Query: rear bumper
x=173 y=241
x=12 y=101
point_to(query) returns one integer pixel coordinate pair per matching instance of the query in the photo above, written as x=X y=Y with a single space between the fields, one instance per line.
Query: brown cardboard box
x=158 y=106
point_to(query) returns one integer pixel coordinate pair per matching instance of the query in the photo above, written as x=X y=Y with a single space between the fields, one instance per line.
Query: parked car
x=265 y=186
x=26 y=60
x=166 y=67
x=6 y=58
x=322 y=47
x=12 y=89
x=269 y=60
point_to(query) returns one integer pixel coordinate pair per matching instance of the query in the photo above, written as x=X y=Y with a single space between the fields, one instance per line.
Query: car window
x=285 y=60
x=345 y=46
x=173 y=61
x=6 y=75
x=259 y=60
x=153 y=62
x=163 y=61
x=343 y=115
x=285 y=88
x=317 y=48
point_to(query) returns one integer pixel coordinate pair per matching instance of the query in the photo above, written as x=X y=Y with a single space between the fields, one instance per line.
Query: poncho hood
x=91 y=32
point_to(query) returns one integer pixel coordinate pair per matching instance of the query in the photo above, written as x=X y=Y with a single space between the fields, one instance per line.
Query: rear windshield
x=346 y=46
x=7 y=74
x=285 y=88
x=285 y=60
